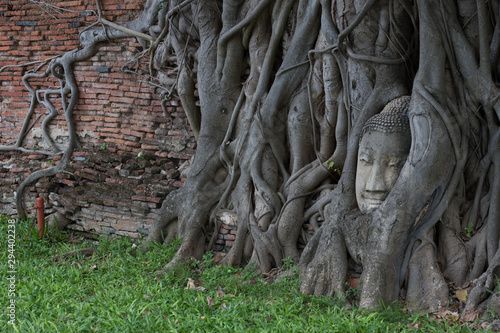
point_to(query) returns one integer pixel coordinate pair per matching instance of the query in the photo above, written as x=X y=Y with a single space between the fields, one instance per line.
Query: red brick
x=68 y=3
x=19 y=53
x=68 y=182
x=122 y=100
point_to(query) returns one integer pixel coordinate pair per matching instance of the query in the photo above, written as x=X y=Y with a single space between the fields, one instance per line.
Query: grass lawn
x=115 y=290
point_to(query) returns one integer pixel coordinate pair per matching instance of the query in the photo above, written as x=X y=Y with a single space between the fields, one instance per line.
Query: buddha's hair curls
x=392 y=119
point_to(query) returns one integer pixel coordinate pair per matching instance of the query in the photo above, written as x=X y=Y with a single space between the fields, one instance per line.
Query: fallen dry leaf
x=223 y=306
x=146 y=296
x=210 y=301
x=470 y=316
x=485 y=325
x=416 y=325
x=190 y=284
x=462 y=295
x=443 y=313
x=455 y=307
x=219 y=294
x=447 y=315
x=90 y=269
x=203 y=317
x=454 y=317
x=273 y=272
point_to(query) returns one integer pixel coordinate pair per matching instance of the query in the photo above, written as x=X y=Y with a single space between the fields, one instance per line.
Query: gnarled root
x=484 y=293
x=427 y=289
x=324 y=274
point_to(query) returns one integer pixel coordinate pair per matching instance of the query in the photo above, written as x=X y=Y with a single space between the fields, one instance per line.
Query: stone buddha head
x=383 y=149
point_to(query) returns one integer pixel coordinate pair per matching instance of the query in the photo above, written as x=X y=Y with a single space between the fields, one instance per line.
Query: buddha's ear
x=420 y=125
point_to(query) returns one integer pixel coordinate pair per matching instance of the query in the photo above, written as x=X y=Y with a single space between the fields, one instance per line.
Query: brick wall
x=130 y=149
x=115 y=109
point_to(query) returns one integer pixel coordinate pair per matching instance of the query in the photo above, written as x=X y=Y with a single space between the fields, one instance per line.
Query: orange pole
x=40 y=212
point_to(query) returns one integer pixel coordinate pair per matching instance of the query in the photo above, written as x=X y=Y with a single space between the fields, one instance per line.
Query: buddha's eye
x=395 y=164
x=365 y=159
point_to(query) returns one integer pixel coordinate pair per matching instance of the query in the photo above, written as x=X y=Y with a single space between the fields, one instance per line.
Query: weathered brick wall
x=130 y=149
x=115 y=109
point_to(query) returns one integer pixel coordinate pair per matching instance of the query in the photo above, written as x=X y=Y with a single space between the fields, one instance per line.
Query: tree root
x=484 y=292
x=324 y=274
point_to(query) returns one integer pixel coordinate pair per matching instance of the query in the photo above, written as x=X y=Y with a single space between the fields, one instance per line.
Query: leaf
x=203 y=317
x=416 y=325
x=90 y=269
x=219 y=294
x=146 y=296
x=462 y=295
x=442 y=313
x=190 y=284
x=223 y=306
x=210 y=301
x=470 y=316
x=454 y=317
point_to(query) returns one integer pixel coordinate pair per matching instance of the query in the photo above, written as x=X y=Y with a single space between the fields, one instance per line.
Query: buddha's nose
x=376 y=180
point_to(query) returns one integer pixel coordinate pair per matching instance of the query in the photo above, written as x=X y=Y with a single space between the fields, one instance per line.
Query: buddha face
x=380 y=159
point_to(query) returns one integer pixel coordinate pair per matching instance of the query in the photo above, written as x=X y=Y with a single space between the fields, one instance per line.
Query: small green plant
x=161 y=5
x=352 y=294
x=469 y=230
x=208 y=259
x=140 y=155
x=104 y=146
x=287 y=264
x=331 y=166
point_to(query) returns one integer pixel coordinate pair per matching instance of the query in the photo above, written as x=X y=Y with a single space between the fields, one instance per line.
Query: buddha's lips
x=374 y=200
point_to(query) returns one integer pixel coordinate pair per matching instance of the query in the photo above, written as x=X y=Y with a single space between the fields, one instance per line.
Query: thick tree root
x=324 y=274
x=485 y=293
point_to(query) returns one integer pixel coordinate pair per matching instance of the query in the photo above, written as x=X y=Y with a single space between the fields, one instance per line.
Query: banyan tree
x=376 y=124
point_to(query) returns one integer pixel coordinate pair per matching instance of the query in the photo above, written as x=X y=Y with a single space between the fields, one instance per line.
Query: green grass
x=115 y=290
